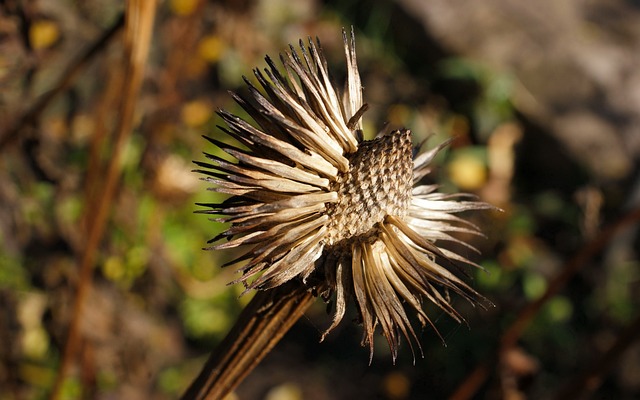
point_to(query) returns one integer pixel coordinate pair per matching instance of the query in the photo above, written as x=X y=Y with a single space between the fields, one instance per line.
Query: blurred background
x=543 y=99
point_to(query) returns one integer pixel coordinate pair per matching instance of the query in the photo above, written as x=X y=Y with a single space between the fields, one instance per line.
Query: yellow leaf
x=211 y=48
x=183 y=7
x=43 y=34
x=467 y=172
x=396 y=385
x=196 y=113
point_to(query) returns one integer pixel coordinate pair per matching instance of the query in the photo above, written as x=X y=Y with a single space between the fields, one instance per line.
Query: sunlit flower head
x=310 y=200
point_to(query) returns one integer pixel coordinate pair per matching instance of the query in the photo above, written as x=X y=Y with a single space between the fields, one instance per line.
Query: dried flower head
x=314 y=202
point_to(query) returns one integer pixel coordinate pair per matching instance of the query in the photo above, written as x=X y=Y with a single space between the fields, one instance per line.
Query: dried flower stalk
x=320 y=208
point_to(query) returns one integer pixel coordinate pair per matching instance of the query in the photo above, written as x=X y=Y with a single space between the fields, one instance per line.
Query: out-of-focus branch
x=138 y=28
x=469 y=387
x=570 y=268
x=67 y=78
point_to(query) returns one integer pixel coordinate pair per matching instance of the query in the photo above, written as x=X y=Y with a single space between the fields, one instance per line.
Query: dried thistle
x=318 y=205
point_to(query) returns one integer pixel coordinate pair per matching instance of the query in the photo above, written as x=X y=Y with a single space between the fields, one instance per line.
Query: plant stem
x=138 y=32
x=260 y=326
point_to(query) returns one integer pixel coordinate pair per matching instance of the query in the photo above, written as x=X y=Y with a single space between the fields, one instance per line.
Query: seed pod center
x=378 y=183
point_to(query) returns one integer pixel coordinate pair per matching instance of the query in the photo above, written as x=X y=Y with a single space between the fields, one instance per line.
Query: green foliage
x=494 y=105
x=206 y=318
x=153 y=283
x=13 y=275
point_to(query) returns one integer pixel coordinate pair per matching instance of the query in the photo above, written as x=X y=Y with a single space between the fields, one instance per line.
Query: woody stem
x=264 y=321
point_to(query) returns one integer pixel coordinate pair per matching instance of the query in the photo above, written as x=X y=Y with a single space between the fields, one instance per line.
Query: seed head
x=314 y=202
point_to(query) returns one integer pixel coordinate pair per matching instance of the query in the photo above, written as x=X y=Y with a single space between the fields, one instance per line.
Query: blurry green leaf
x=492 y=276
x=137 y=260
x=38 y=206
x=493 y=106
x=499 y=89
x=477 y=152
x=618 y=290
x=146 y=206
x=181 y=242
x=521 y=222
x=172 y=381
x=133 y=151
x=131 y=161
x=107 y=380
x=36 y=375
x=533 y=285
x=186 y=233
x=71 y=389
x=549 y=203
x=204 y=318
x=69 y=209
x=126 y=270
x=559 y=309
x=12 y=273
x=113 y=268
x=460 y=68
x=232 y=68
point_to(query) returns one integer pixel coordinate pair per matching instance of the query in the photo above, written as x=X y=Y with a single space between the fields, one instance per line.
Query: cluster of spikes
x=310 y=200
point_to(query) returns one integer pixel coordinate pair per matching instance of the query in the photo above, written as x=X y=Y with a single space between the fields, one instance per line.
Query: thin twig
x=95 y=168
x=469 y=387
x=63 y=83
x=139 y=24
x=265 y=320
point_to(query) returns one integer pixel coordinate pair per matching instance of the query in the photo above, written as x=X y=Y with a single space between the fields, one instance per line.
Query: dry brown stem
x=138 y=27
x=264 y=321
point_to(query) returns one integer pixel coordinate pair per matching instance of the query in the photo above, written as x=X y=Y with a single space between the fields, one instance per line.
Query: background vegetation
x=561 y=262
